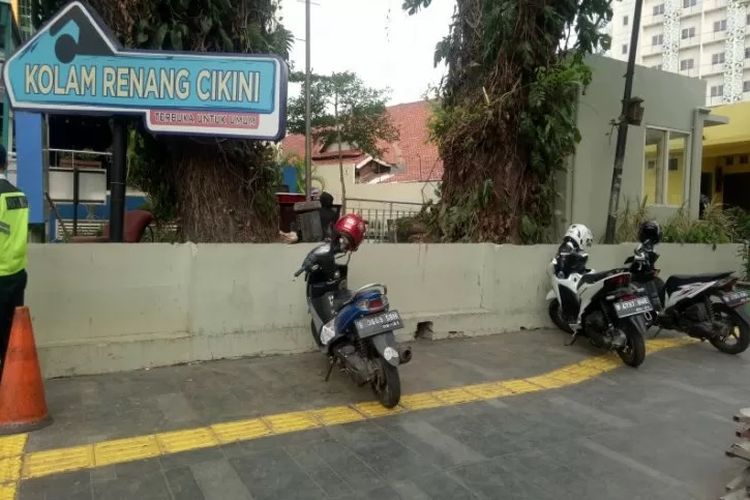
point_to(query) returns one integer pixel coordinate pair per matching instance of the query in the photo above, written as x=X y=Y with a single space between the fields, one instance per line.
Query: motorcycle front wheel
x=738 y=337
x=555 y=314
x=634 y=353
x=387 y=384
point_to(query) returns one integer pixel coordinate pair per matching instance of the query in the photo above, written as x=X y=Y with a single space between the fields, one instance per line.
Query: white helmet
x=580 y=235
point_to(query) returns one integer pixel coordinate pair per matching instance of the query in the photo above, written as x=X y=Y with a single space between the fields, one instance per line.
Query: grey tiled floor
x=658 y=432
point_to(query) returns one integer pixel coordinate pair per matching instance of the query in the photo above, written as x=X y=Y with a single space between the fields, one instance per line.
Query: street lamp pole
x=622 y=131
x=308 y=135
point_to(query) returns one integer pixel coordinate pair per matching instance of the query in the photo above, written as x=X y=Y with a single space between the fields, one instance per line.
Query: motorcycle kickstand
x=657 y=333
x=330 y=368
x=572 y=340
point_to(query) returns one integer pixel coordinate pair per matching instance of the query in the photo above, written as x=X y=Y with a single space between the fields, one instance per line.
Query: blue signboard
x=74 y=64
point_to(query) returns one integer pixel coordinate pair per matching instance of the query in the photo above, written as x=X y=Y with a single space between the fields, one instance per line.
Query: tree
x=218 y=190
x=344 y=110
x=506 y=121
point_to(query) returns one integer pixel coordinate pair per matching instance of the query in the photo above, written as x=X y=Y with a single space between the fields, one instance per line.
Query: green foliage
x=342 y=104
x=507 y=118
x=717 y=225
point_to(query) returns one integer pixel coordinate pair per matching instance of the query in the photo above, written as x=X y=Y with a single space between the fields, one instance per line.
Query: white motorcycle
x=604 y=307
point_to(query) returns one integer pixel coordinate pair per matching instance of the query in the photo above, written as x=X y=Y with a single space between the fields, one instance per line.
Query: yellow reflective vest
x=14 y=228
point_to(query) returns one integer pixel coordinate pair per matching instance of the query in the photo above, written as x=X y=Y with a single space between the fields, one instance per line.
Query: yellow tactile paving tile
x=186 y=440
x=242 y=430
x=45 y=463
x=12 y=446
x=10 y=469
x=547 y=382
x=337 y=415
x=521 y=386
x=455 y=396
x=420 y=401
x=7 y=491
x=373 y=409
x=125 y=450
x=490 y=390
x=291 y=422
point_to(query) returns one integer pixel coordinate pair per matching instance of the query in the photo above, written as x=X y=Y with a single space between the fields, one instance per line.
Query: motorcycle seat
x=594 y=277
x=677 y=280
x=341 y=298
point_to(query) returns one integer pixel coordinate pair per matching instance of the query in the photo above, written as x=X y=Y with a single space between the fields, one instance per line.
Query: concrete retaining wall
x=101 y=308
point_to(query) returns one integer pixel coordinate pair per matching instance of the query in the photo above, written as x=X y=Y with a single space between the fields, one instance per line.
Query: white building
x=708 y=39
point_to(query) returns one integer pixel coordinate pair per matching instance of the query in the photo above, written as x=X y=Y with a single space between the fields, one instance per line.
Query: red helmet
x=353 y=227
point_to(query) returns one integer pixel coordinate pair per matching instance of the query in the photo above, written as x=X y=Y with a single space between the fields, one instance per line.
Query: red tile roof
x=413 y=149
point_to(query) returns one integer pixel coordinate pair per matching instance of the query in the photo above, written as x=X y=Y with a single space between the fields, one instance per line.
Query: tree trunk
x=223 y=192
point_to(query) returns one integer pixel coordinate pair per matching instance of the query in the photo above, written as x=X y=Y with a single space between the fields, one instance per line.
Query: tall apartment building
x=708 y=39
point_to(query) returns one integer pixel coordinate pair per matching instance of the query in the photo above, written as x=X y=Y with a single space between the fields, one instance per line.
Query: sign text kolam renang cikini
x=230 y=86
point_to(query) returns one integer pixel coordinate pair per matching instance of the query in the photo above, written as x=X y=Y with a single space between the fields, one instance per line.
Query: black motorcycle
x=704 y=306
x=354 y=328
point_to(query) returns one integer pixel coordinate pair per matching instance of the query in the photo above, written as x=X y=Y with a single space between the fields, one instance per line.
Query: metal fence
x=384 y=217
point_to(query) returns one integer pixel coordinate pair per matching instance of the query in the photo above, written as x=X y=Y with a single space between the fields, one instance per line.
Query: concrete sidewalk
x=655 y=432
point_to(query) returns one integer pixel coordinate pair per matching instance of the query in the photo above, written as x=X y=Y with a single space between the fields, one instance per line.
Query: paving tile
x=182 y=484
x=272 y=474
x=187 y=458
x=435 y=486
x=74 y=485
x=352 y=470
x=386 y=456
x=218 y=480
x=152 y=486
x=319 y=470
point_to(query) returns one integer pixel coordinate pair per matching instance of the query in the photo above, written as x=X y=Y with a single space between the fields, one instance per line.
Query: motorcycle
x=354 y=328
x=604 y=307
x=704 y=306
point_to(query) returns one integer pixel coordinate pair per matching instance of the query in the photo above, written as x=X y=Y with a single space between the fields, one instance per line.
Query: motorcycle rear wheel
x=387 y=384
x=739 y=331
x=634 y=353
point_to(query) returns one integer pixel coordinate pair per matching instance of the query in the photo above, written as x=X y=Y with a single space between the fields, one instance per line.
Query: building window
x=657 y=40
x=659 y=9
x=720 y=25
x=687 y=64
x=689 y=3
x=747 y=52
x=717 y=90
x=625 y=20
x=664 y=173
x=658 y=66
x=743 y=159
x=729 y=161
x=747 y=19
x=718 y=58
x=746 y=86
x=624 y=48
x=688 y=33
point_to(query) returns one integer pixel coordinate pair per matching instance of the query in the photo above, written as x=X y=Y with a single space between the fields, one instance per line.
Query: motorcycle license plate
x=632 y=307
x=378 y=323
x=736 y=298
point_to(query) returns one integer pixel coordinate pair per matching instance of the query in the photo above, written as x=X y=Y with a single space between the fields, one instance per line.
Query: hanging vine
x=506 y=120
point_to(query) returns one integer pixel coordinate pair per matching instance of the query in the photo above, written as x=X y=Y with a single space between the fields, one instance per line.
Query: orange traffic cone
x=22 y=404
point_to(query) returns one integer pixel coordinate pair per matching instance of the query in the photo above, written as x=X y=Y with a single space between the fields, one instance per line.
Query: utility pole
x=308 y=132
x=622 y=131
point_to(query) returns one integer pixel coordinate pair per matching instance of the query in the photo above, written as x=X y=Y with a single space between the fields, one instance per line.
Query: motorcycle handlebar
x=299 y=271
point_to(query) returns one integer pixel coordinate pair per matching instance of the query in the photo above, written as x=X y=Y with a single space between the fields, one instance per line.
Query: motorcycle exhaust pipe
x=404 y=354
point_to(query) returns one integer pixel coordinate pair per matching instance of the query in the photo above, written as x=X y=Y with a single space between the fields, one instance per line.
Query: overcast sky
x=375 y=39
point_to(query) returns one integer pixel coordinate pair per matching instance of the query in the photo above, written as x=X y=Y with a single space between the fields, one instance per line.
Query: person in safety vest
x=14 y=228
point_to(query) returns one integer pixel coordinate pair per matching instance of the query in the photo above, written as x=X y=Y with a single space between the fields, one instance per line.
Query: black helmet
x=649 y=231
